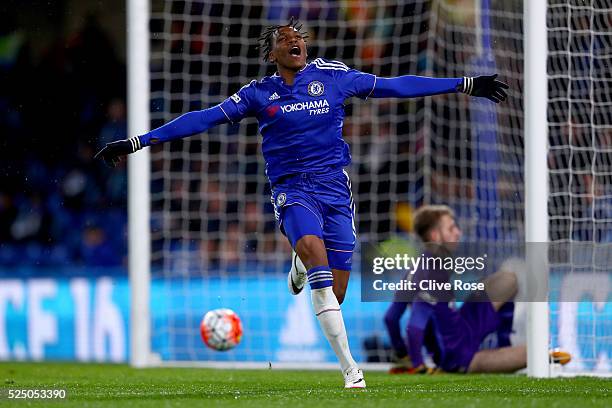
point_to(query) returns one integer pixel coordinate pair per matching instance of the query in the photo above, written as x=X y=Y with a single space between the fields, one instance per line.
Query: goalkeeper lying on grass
x=453 y=336
x=300 y=110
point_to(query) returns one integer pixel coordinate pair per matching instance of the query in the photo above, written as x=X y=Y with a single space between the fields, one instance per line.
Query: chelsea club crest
x=281 y=199
x=315 y=88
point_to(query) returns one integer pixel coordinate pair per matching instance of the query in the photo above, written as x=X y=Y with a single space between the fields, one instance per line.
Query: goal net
x=214 y=239
x=580 y=188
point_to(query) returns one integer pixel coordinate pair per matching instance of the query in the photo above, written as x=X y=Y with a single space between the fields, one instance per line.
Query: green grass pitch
x=91 y=385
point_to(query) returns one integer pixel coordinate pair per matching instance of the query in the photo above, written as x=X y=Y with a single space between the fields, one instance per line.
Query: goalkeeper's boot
x=401 y=365
x=353 y=378
x=297 y=275
x=435 y=371
x=560 y=357
x=421 y=369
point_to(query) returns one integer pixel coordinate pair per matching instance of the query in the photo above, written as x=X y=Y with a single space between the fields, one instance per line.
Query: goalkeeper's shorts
x=320 y=205
x=464 y=330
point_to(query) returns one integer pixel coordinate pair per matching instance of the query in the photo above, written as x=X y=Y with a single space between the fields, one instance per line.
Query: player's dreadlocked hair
x=265 y=40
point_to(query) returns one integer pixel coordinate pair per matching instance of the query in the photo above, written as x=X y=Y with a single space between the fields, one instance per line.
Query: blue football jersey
x=301 y=124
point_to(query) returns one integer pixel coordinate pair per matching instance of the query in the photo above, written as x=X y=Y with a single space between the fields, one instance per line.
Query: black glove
x=485 y=86
x=112 y=152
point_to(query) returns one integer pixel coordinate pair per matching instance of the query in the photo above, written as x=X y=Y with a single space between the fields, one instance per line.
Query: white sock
x=328 y=313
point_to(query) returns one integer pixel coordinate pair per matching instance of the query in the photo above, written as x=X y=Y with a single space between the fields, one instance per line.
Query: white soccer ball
x=221 y=329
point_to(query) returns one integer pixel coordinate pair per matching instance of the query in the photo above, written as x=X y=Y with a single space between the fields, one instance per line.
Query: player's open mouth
x=295 y=51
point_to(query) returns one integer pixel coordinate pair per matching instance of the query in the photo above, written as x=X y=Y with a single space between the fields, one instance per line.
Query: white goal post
x=139 y=198
x=536 y=178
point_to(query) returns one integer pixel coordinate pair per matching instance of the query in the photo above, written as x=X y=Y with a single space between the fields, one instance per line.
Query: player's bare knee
x=515 y=285
x=510 y=282
x=311 y=251
x=502 y=286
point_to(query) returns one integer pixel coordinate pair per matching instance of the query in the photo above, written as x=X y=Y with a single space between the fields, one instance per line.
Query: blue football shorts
x=320 y=205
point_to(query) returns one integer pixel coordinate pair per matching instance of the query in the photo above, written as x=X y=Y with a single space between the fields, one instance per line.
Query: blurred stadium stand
x=61 y=97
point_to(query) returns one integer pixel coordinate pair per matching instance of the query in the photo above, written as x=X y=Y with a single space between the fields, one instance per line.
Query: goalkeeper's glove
x=112 y=152
x=485 y=86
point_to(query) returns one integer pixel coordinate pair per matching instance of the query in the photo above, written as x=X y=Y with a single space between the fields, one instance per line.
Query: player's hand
x=112 y=152
x=486 y=86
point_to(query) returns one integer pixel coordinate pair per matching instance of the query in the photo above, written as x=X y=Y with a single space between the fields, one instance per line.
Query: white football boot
x=297 y=277
x=353 y=378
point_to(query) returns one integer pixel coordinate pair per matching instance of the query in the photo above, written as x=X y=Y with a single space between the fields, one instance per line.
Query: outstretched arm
x=410 y=86
x=188 y=124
